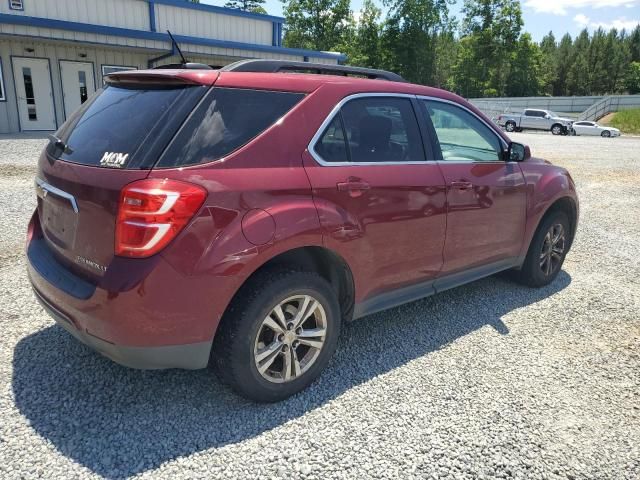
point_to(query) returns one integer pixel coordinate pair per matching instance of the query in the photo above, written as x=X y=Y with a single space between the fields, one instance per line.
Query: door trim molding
x=93 y=73
x=411 y=293
x=53 y=93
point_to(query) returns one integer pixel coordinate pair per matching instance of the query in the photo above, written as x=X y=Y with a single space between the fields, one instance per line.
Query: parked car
x=532 y=119
x=242 y=215
x=592 y=128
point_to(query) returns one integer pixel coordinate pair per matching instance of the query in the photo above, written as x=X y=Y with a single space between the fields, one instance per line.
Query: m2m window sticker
x=114 y=160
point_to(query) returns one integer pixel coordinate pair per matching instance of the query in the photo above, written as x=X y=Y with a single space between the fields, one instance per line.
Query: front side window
x=462 y=136
x=373 y=130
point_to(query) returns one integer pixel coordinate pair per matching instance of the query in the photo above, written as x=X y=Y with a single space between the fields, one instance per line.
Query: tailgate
x=113 y=140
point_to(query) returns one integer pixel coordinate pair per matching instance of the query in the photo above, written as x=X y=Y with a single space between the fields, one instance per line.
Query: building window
x=16 y=5
x=107 y=69
x=2 y=94
x=29 y=93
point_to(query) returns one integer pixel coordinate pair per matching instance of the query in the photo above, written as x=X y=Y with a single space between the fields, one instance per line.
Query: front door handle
x=354 y=188
x=461 y=185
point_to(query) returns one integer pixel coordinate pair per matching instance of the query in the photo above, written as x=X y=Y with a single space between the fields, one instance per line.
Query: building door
x=77 y=84
x=35 y=96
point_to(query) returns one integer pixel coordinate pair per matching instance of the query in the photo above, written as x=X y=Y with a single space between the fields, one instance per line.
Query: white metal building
x=54 y=53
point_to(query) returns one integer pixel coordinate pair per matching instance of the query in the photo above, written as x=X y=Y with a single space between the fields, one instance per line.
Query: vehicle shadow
x=119 y=422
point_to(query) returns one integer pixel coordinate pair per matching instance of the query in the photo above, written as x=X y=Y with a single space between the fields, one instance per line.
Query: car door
x=583 y=128
x=528 y=119
x=381 y=203
x=486 y=196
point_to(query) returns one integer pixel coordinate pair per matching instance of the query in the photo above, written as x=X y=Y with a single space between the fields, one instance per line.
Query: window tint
x=226 y=120
x=118 y=121
x=462 y=136
x=382 y=129
x=332 y=146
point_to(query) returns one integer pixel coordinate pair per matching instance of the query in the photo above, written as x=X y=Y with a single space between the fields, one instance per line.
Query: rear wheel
x=278 y=335
x=606 y=134
x=510 y=126
x=547 y=251
x=556 y=129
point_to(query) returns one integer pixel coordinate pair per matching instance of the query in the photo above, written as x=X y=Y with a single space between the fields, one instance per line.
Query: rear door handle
x=355 y=188
x=461 y=185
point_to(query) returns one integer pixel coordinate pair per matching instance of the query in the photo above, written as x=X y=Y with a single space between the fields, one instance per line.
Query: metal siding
x=195 y=23
x=116 y=13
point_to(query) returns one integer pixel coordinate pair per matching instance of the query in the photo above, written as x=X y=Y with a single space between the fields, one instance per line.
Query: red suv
x=239 y=216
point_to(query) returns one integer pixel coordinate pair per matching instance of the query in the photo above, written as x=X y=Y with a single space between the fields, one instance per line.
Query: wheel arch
x=567 y=205
x=327 y=263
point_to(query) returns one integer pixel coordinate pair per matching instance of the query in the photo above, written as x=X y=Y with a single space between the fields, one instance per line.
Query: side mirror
x=518 y=152
x=547 y=116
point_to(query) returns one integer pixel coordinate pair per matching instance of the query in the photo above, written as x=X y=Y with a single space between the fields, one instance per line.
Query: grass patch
x=628 y=121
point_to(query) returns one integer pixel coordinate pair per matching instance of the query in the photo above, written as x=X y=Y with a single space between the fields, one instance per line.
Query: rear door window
x=373 y=129
x=111 y=129
x=227 y=119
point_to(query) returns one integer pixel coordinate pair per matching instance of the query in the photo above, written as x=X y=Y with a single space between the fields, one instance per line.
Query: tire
x=606 y=134
x=556 y=129
x=244 y=341
x=537 y=271
x=510 y=126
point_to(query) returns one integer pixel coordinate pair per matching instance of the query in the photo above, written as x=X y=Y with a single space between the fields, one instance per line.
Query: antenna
x=175 y=44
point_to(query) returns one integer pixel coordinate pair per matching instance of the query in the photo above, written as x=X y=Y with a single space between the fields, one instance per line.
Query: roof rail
x=275 y=66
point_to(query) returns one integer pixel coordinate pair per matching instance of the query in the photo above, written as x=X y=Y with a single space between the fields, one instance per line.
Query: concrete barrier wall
x=572 y=107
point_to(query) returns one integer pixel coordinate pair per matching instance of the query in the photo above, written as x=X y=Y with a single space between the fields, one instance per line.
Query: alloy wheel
x=553 y=248
x=290 y=339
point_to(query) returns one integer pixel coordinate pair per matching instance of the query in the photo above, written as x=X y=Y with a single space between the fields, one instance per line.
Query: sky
x=540 y=16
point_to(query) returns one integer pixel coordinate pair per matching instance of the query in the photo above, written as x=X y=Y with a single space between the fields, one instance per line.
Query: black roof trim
x=275 y=66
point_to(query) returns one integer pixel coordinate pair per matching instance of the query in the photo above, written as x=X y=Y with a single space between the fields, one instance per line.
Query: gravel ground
x=488 y=380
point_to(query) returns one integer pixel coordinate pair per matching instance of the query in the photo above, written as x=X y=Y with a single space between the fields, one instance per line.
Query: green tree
x=494 y=27
x=634 y=44
x=525 y=77
x=254 y=6
x=316 y=24
x=410 y=34
x=548 y=63
x=564 y=60
x=632 y=80
x=362 y=40
x=579 y=75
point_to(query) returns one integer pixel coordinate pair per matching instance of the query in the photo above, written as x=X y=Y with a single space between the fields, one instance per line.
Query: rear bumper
x=147 y=314
x=191 y=357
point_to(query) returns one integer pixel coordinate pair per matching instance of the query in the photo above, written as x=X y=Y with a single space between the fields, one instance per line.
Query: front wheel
x=278 y=335
x=547 y=251
x=556 y=129
x=606 y=134
x=510 y=127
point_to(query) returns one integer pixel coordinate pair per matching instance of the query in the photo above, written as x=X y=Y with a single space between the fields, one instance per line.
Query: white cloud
x=563 y=7
x=618 y=23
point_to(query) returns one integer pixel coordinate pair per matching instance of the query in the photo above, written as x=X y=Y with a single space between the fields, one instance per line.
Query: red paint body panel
x=485 y=223
x=269 y=197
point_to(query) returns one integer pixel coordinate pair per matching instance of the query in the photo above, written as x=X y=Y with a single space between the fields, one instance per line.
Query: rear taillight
x=152 y=212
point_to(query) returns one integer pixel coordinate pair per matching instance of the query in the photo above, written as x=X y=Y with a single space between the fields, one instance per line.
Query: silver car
x=592 y=128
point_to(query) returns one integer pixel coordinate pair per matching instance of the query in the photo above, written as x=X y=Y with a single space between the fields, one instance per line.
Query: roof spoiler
x=276 y=66
x=146 y=77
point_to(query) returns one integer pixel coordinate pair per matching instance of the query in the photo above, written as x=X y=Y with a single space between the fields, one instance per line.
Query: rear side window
x=227 y=119
x=111 y=129
x=373 y=130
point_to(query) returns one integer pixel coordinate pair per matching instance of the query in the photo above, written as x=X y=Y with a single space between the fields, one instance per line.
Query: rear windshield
x=227 y=119
x=110 y=131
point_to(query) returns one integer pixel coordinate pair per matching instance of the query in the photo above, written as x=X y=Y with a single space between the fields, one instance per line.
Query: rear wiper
x=60 y=144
